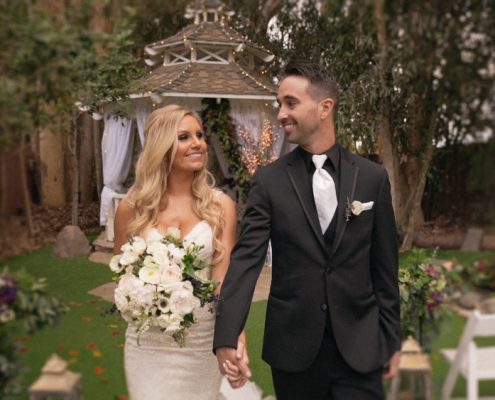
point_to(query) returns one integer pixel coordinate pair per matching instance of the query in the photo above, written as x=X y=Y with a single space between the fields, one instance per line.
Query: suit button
x=323 y=307
x=329 y=270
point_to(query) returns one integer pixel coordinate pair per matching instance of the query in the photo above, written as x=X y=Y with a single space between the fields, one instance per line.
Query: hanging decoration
x=261 y=152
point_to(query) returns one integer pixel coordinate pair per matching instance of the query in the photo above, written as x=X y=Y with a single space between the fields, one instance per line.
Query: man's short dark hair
x=322 y=83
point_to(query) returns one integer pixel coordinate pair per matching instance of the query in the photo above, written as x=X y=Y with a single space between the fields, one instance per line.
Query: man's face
x=299 y=112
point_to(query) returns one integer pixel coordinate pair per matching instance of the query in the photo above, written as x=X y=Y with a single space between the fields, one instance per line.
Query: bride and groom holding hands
x=332 y=322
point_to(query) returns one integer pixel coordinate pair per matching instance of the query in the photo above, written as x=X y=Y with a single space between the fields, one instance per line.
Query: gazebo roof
x=207 y=59
x=208 y=80
x=208 y=33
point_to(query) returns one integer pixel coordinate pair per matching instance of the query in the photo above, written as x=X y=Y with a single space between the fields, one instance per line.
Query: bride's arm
x=123 y=217
x=228 y=239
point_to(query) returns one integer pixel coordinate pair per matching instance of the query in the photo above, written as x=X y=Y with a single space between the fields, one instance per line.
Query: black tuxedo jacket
x=354 y=280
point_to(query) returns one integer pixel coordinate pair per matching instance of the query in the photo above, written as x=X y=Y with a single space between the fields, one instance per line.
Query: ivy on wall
x=217 y=121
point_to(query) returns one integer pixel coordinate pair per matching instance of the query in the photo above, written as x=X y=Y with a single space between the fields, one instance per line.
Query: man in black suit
x=332 y=323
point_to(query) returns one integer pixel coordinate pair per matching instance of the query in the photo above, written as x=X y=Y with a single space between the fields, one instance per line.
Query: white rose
x=170 y=274
x=138 y=245
x=153 y=235
x=173 y=231
x=145 y=297
x=130 y=286
x=128 y=258
x=150 y=275
x=114 y=264
x=170 y=287
x=162 y=321
x=183 y=302
x=159 y=252
x=121 y=300
x=149 y=261
x=173 y=323
x=176 y=253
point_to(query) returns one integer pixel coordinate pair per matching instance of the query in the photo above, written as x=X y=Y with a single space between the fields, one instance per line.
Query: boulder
x=71 y=242
x=470 y=300
x=488 y=306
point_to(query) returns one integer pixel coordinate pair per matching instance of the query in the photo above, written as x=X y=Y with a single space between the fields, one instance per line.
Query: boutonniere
x=353 y=209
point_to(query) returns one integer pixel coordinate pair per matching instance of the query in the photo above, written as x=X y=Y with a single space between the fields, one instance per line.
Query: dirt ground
x=49 y=221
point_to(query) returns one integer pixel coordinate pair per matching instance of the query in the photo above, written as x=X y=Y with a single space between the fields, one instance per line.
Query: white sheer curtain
x=116 y=146
x=143 y=108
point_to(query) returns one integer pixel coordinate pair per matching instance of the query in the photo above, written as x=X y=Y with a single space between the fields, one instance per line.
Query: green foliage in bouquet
x=24 y=306
x=424 y=287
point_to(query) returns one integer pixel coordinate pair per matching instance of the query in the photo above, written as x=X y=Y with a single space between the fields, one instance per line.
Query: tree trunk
x=270 y=8
x=75 y=170
x=86 y=155
x=97 y=157
x=3 y=183
x=413 y=205
x=25 y=186
x=386 y=149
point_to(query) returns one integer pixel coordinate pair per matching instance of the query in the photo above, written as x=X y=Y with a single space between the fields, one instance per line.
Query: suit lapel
x=347 y=181
x=298 y=176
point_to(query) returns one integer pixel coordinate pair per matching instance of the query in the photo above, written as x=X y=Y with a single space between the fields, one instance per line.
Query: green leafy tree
x=413 y=74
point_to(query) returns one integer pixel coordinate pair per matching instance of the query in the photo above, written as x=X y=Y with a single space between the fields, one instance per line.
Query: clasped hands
x=233 y=363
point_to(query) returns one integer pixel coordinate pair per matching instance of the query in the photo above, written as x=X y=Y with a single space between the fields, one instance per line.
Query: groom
x=332 y=322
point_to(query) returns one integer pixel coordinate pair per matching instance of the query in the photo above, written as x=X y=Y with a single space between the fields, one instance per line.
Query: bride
x=174 y=189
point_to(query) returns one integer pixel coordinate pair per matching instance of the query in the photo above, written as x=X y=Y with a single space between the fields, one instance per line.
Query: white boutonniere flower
x=355 y=208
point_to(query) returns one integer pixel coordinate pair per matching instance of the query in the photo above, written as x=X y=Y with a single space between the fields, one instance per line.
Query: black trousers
x=328 y=378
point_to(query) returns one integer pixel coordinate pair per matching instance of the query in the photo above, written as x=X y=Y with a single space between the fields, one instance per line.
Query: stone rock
x=488 y=306
x=470 y=300
x=71 y=242
x=472 y=241
x=100 y=257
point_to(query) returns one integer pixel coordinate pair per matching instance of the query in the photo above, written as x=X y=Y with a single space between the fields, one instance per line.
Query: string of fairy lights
x=186 y=39
x=262 y=152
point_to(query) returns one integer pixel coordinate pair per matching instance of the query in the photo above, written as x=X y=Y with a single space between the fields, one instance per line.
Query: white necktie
x=323 y=192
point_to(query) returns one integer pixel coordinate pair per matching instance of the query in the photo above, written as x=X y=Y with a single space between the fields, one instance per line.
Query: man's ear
x=326 y=108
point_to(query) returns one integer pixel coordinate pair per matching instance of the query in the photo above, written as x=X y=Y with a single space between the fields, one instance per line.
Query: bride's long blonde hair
x=153 y=167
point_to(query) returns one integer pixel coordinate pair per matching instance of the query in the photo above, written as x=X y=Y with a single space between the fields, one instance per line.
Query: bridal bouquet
x=160 y=283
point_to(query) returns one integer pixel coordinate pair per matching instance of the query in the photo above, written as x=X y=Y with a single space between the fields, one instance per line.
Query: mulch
x=48 y=221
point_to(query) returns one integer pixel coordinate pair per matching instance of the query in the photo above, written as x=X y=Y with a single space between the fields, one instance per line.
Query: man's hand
x=233 y=364
x=393 y=367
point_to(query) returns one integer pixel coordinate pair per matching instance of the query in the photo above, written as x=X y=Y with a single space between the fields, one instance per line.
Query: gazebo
x=206 y=59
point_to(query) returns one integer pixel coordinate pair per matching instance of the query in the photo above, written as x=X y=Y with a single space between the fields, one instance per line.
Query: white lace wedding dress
x=158 y=369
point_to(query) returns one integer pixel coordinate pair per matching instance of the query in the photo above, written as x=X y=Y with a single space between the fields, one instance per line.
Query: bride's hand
x=241 y=353
x=234 y=373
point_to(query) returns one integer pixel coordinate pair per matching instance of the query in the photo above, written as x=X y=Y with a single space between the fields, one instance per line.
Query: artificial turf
x=92 y=343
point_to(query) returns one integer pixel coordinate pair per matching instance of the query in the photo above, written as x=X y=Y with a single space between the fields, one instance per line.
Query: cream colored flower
x=173 y=231
x=356 y=207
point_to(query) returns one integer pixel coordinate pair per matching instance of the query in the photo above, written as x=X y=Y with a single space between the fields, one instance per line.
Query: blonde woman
x=174 y=189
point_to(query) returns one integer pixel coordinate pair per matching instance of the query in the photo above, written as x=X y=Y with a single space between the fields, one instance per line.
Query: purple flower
x=8 y=290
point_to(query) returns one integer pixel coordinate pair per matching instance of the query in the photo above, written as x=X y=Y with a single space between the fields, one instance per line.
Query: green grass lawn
x=92 y=343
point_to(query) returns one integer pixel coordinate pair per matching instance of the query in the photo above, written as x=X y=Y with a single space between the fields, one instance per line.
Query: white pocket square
x=368 y=206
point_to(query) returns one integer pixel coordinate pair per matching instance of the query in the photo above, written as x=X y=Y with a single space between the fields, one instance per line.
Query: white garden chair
x=474 y=363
